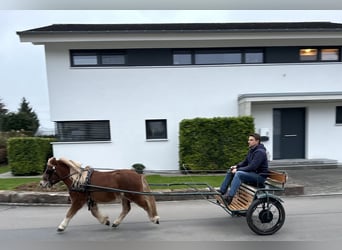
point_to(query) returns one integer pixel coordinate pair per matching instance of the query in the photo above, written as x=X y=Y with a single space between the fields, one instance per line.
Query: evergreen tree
x=25 y=119
x=3 y=112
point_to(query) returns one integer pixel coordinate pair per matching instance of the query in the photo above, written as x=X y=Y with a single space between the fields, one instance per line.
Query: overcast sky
x=23 y=64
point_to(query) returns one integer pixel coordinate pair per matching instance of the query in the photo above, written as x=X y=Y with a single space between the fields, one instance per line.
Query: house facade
x=118 y=92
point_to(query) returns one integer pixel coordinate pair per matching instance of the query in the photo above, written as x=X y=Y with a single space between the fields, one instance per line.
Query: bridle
x=51 y=171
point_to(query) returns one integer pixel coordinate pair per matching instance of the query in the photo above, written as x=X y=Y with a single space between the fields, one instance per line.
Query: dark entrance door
x=289 y=133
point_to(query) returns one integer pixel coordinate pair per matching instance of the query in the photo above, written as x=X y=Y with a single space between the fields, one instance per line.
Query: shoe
x=228 y=199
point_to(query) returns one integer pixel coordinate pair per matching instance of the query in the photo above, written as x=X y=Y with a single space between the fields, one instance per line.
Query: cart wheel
x=265 y=216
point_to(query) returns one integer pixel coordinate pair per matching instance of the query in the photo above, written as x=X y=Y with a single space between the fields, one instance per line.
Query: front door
x=289 y=133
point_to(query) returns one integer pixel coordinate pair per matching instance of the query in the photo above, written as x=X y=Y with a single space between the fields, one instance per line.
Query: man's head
x=253 y=140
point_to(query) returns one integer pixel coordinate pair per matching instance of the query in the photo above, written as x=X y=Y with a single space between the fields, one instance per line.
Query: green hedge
x=213 y=143
x=28 y=155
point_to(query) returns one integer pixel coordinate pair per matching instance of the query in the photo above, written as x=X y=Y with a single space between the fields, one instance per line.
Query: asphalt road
x=316 y=218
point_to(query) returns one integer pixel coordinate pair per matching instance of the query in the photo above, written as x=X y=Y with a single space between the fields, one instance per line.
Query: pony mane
x=77 y=173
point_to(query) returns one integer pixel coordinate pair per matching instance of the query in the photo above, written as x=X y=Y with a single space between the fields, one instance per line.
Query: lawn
x=12 y=183
x=212 y=180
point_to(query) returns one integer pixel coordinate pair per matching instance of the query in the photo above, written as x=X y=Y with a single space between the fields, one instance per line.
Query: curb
x=23 y=197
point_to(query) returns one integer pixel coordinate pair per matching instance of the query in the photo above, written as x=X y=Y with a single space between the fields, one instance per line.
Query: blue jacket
x=255 y=161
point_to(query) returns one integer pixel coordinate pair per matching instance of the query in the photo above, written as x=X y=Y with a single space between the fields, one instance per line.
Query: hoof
x=60 y=230
x=115 y=225
x=107 y=223
x=157 y=222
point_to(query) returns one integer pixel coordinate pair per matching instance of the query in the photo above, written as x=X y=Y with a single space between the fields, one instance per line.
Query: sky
x=22 y=65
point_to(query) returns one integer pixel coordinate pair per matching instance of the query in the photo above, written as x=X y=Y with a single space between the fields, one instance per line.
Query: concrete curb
x=22 y=197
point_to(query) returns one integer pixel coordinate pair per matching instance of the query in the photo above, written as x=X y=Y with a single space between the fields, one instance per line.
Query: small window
x=181 y=57
x=72 y=131
x=330 y=54
x=156 y=129
x=339 y=115
x=254 y=57
x=112 y=59
x=308 y=54
x=82 y=59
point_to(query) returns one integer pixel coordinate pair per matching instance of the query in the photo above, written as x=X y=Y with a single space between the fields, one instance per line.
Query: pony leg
x=71 y=212
x=148 y=203
x=126 y=207
x=97 y=214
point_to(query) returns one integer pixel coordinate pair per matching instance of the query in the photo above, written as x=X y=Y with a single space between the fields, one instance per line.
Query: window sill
x=156 y=140
x=79 y=142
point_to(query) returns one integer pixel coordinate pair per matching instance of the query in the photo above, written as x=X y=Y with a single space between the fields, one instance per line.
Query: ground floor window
x=72 y=131
x=339 y=115
x=156 y=129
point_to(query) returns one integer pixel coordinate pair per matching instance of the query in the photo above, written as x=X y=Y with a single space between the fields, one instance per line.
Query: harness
x=77 y=186
x=84 y=187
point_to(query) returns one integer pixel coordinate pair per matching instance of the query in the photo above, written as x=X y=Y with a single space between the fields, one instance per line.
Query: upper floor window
x=182 y=57
x=339 y=115
x=156 y=129
x=72 y=131
x=217 y=56
x=97 y=58
x=319 y=54
x=254 y=56
x=330 y=54
x=308 y=54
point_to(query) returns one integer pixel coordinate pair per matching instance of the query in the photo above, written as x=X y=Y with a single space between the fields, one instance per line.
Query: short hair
x=256 y=136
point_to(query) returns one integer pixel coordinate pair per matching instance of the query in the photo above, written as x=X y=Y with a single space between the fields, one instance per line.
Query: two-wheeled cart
x=261 y=206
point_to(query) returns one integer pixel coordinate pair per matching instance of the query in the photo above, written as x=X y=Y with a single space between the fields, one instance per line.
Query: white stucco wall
x=127 y=96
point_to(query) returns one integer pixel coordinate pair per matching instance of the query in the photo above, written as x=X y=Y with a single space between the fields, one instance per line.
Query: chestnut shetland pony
x=74 y=177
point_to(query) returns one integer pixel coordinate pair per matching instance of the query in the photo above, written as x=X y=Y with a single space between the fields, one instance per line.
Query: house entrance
x=289 y=133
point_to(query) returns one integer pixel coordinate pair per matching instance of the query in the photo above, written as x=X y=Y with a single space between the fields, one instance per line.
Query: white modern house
x=119 y=91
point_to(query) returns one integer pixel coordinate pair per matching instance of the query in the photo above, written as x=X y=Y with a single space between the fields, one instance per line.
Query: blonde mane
x=77 y=173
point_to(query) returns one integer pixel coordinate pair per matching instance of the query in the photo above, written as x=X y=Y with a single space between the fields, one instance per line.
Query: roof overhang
x=245 y=101
x=191 y=35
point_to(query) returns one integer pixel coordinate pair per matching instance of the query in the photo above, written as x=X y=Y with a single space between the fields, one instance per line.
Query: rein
x=54 y=172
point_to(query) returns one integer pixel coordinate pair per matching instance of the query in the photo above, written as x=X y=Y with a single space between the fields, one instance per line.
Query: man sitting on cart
x=253 y=170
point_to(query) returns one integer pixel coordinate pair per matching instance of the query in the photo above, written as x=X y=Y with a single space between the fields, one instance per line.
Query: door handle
x=290 y=135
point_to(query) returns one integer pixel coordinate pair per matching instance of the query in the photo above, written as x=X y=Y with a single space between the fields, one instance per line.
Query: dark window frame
x=83 y=131
x=157 y=135
x=319 y=54
x=99 y=55
x=338 y=115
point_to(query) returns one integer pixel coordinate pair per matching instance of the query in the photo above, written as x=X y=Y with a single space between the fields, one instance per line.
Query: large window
x=202 y=56
x=156 y=129
x=72 y=131
x=217 y=56
x=339 y=115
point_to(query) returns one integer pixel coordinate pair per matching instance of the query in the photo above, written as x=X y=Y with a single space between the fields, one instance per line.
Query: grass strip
x=214 y=181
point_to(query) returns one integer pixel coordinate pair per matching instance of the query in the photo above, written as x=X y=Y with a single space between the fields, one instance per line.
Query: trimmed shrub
x=28 y=155
x=213 y=143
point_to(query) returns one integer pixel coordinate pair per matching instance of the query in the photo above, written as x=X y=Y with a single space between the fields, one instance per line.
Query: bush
x=28 y=155
x=4 y=136
x=138 y=167
x=213 y=143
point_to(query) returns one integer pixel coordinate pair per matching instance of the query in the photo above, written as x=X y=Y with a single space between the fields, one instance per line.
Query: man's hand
x=233 y=169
